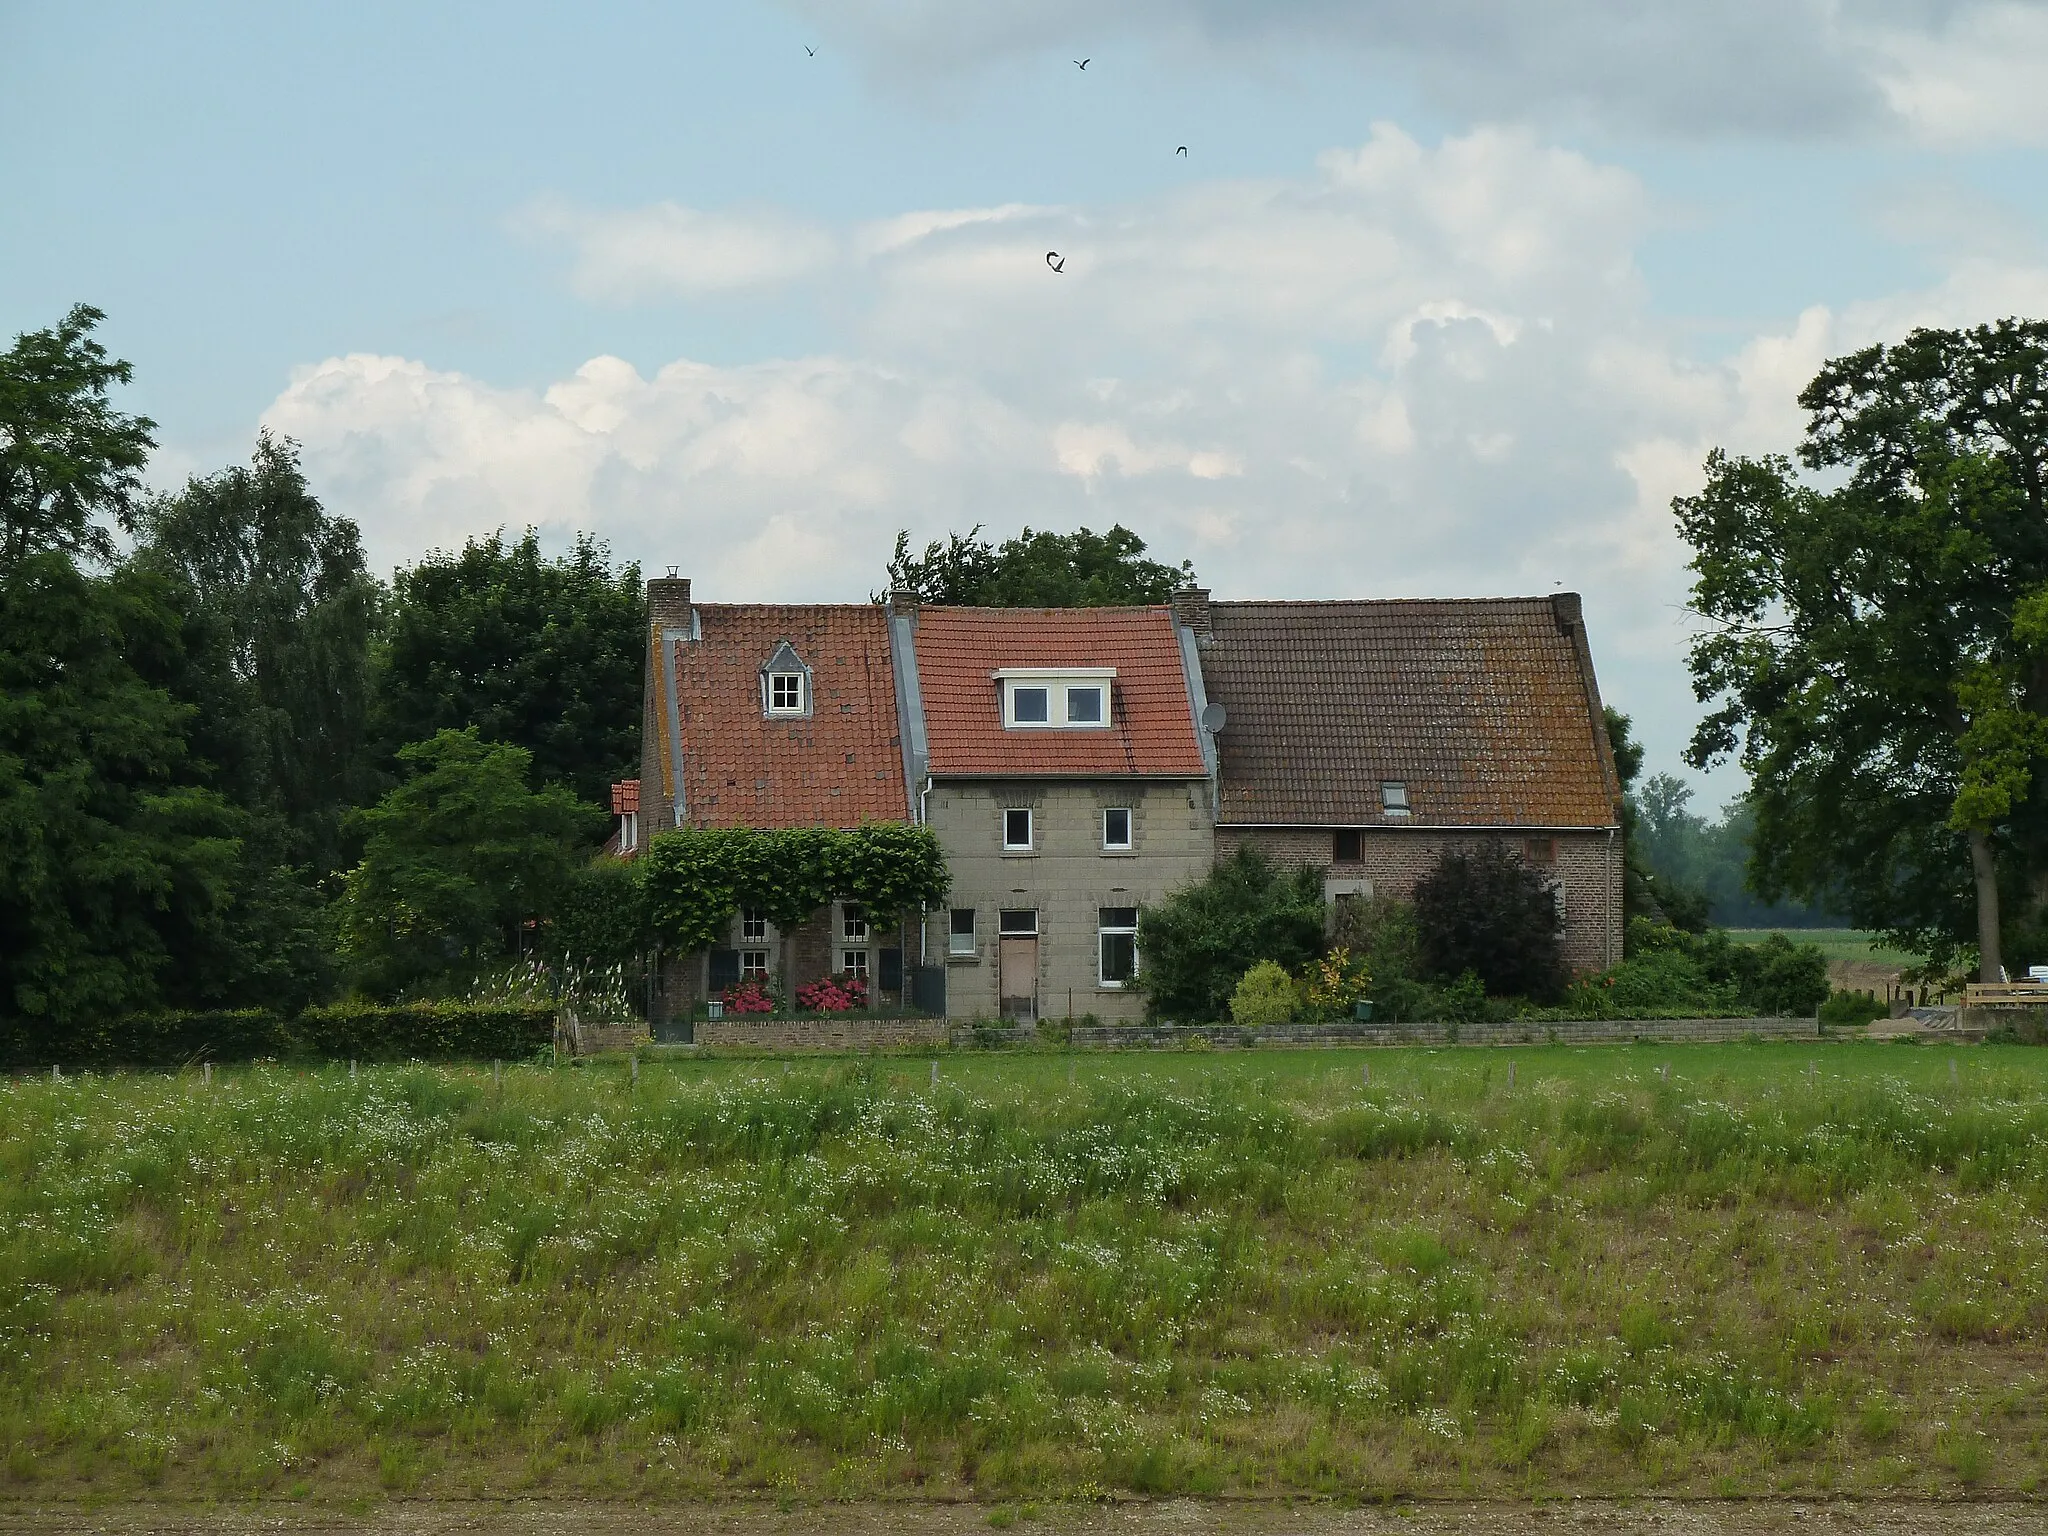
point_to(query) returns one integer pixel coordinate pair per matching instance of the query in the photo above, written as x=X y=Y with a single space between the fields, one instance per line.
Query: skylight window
x=1393 y=798
x=1055 y=698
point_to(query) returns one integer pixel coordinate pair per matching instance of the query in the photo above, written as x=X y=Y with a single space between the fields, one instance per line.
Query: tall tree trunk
x=1985 y=870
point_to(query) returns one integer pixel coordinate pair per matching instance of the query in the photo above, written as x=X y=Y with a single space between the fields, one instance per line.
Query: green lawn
x=1782 y=1268
x=1835 y=943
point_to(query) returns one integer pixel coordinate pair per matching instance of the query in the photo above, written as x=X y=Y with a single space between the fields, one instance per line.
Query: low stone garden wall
x=1562 y=1032
x=823 y=1033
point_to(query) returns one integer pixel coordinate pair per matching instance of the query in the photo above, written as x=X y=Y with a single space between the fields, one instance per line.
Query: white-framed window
x=1116 y=938
x=1116 y=829
x=785 y=693
x=629 y=831
x=753 y=965
x=960 y=940
x=1018 y=922
x=1393 y=797
x=1056 y=698
x=854 y=962
x=853 y=924
x=753 y=927
x=1017 y=829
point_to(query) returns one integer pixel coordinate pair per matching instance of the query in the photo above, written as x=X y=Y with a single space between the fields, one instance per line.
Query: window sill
x=1020 y=853
x=1119 y=853
x=963 y=959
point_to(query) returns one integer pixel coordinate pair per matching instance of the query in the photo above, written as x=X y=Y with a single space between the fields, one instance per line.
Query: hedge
x=345 y=1031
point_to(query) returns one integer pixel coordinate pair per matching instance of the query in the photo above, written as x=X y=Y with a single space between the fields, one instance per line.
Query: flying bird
x=1056 y=261
x=810 y=50
x=1082 y=63
x=1182 y=150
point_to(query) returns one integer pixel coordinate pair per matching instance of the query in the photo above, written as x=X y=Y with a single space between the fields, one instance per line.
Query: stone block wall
x=1588 y=864
x=822 y=1034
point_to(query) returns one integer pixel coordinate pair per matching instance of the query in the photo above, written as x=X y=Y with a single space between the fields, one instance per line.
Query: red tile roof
x=1151 y=731
x=1486 y=709
x=837 y=768
x=626 y=797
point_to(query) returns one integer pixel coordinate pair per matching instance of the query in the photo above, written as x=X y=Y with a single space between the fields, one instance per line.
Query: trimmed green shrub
x=1265 y=994
x=366 y=1032
x=430 y=1031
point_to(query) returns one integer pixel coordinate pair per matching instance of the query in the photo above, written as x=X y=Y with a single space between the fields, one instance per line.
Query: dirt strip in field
x=1650 y=1517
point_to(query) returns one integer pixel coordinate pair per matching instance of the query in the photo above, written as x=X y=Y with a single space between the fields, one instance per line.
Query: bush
x=362 y=1032
x=1852 y=1010
x=1203 y=937
x=835 y=994
x=1672 y=973
x=1483 y=910
x=1265 y=994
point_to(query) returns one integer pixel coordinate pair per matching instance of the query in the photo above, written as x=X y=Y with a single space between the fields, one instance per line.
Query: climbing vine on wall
x=696 y=881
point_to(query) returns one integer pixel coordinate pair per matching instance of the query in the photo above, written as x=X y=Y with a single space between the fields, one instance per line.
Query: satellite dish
x=1214 y=718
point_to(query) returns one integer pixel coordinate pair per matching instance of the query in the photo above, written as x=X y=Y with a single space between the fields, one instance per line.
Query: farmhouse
x=1365 y=738
x=1077 y=765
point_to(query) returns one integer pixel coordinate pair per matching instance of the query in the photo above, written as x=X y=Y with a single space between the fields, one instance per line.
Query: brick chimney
x=1565 y=607
x=904 y=600
x=1191 y=608
x=668 y=601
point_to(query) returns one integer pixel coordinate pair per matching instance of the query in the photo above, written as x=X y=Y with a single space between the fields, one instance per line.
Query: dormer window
x=785 y=684
x=1055 y=698
x=1393 y=798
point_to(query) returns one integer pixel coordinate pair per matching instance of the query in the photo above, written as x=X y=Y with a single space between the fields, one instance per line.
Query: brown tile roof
x=1486 y=709
x=1151 y=731
x=626 y=797
x=839 y=767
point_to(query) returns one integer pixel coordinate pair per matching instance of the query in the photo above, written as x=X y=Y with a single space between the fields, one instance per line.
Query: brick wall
x=822 y=1034
x=1392 y=859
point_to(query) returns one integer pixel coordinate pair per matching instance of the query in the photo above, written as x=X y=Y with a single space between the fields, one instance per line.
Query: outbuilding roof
x=837 y=764
x=1484 y=710
x=1151 y=730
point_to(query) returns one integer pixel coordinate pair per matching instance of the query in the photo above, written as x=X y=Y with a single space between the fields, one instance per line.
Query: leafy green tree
x=280 y=610
x=1483 y=910
x=457 y=860
x=1203 y=937
x=70 y=464
x=1879 y=649
x=117 y=865
x=544 y=654
x=1708 y=861
x=1037 y=570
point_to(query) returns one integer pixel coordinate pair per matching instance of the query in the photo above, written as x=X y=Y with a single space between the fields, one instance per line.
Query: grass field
x=1784 y=1268
x=1836 y=943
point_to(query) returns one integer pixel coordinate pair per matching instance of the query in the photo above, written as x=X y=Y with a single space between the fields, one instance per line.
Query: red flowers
x=835 y=994
x=748 y=997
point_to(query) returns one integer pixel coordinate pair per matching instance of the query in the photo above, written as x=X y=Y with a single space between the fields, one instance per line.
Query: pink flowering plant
x=748 y=997
x=835 y=994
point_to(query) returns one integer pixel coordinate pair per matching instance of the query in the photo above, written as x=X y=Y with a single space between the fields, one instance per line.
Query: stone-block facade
x=1067 y=878
x=1587 y=866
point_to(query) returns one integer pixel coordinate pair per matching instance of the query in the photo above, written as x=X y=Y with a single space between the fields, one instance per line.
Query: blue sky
x=1442 y=300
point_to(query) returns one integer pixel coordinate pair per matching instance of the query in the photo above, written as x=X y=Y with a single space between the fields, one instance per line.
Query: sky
x=1443 y=300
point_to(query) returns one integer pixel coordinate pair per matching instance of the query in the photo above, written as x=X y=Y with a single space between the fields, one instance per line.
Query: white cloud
x=669 y=251
x=1413 y=369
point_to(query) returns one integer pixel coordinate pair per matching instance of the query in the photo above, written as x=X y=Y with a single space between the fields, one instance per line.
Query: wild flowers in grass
x=1168 y=1277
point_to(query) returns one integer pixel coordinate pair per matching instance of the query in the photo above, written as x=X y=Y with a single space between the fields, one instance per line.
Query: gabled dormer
x=785 y=685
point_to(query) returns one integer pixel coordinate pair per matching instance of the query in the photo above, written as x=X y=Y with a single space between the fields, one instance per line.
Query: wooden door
x=1017 y=971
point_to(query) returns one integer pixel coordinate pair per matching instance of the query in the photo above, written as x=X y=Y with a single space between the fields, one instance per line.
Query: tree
x=1483 y=910
x=1203 y=937
x=1879 y=649
x=280 y=611
x=542 y=654
x=69 y=462
x=457 y=861
x=117 y=865
x=1037 y=570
